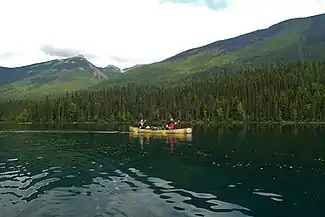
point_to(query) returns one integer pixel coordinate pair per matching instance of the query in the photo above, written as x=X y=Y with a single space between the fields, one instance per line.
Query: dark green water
x=217 y=172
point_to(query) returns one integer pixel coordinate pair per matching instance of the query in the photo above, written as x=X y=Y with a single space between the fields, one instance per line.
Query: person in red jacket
x=170 y=124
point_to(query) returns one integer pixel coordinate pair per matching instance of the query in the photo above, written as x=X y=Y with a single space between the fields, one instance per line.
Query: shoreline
x=185 y=122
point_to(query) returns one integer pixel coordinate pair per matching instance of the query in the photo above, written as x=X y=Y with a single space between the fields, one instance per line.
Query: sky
x=129 y=32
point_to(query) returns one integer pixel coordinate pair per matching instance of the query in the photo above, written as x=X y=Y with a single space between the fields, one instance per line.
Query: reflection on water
x=220 y=172
x=170 y=139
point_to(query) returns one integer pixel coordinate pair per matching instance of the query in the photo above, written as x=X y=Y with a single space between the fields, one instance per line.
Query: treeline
x=276 y=93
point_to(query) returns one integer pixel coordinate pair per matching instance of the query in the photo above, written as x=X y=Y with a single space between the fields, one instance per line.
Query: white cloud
x=128 y=32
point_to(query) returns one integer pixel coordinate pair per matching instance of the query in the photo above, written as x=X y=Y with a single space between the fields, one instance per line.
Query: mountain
x=111 y=70
x=133 y=67
x=290 y=40
x=52 y=77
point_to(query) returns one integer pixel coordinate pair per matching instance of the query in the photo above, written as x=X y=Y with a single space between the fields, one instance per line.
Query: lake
x=228 y=172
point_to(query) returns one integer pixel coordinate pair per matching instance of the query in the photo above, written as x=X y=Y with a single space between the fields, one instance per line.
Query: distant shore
x=183 y=123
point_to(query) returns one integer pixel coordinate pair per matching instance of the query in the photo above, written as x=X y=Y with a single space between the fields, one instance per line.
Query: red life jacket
x=171 y=124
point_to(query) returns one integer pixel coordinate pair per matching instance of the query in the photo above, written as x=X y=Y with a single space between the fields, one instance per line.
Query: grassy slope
x=52 y=77
x=296 y=39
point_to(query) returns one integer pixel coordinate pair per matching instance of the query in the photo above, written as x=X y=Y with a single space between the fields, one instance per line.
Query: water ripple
x=194 y=194
x=272 y=196
x=160 y=183
x=34 y=191
x=83 y=175
x=180 y=202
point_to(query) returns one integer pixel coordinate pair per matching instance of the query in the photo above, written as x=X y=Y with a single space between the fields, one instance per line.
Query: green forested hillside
x=52 y=77
x=291 y=40
x=285 y=92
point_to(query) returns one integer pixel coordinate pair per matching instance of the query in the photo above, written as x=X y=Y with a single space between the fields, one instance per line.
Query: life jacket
x=171 y=124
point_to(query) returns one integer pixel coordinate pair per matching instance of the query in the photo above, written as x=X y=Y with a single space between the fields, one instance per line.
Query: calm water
x=216 y=172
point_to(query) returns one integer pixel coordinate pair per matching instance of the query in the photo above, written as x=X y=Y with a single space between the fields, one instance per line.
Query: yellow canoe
x=157 y=136
x=174 y=131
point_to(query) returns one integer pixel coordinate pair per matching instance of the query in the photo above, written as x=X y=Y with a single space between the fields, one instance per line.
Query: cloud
x=6 y=55
x=129 y=32
x=130 y=59
x=59 y=52
x=212 y=4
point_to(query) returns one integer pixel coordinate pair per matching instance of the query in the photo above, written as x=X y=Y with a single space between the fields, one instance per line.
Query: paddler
x=170 y=124
x=142 y=123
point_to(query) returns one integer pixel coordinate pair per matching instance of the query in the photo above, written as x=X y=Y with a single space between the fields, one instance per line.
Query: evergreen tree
x=281 y=92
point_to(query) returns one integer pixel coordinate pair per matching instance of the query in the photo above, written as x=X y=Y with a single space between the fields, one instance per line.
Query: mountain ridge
x=296 y=39
x=52 y=77
x=274 y=27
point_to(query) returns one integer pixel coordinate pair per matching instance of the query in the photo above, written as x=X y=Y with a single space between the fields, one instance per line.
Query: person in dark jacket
x=142 y=124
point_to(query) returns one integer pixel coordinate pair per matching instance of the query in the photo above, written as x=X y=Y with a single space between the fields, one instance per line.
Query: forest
x=292 y=92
